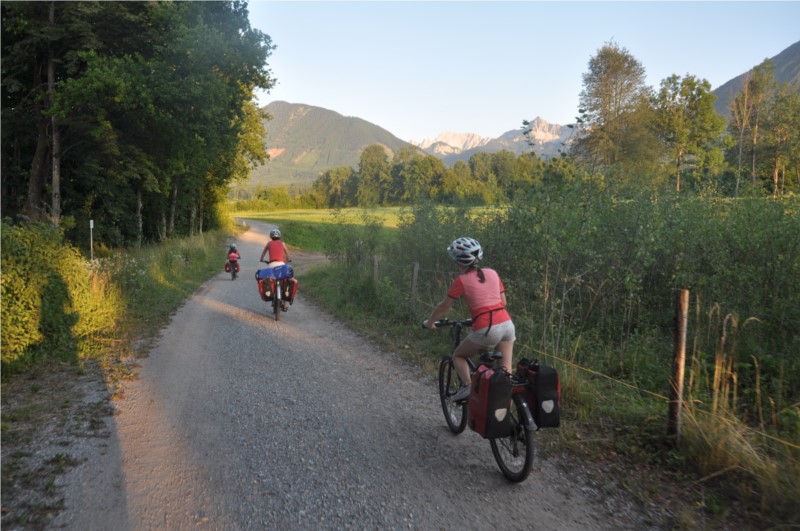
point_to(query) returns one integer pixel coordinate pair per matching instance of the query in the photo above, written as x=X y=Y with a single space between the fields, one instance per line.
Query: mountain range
x=304 y=141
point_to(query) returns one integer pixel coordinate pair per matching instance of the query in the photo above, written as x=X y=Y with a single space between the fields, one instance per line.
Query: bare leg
x=507 y=348
x=466 y=349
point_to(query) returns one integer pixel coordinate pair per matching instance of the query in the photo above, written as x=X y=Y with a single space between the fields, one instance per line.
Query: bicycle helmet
x=465 y=251
x=274 y=233
x=233 y=247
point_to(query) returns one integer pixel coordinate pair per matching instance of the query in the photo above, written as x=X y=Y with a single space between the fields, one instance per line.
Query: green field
x=315 y=230
x=390 y=216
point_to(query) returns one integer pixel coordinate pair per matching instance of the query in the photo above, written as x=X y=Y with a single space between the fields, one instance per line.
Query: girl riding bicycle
x=485 y=296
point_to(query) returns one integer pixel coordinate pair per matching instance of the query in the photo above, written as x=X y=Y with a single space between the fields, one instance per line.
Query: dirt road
x=239 y=422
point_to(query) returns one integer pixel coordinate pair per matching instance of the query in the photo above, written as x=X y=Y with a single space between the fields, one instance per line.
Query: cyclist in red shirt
x=278 y=253
x=278 y=256
x=485 y=296
x=233 y=257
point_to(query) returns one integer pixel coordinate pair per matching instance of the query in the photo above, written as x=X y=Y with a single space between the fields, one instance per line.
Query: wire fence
x=424 y=288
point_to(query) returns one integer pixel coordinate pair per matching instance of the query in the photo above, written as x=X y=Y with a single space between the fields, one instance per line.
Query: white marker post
x=91 y=238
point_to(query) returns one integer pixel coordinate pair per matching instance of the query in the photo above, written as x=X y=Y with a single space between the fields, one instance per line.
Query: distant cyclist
x=234 y=257
x=276 y=250
x=483 y=291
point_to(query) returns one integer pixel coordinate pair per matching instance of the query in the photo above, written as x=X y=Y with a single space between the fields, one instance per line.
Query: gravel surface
x=237 y=421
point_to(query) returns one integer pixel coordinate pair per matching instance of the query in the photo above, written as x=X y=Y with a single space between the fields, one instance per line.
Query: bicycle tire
x=514 y=453
x=454 y=414
x=276 y=302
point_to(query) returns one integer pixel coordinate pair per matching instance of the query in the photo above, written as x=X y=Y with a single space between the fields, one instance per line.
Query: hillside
x=303 y=141
x=787 y=70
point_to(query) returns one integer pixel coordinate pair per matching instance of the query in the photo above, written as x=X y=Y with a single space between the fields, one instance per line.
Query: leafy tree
x=152 y=104
x=374 y=176
x=614 y=108
x=746 y=110
x=781 y=136
x=332 y=187
x=686 y=120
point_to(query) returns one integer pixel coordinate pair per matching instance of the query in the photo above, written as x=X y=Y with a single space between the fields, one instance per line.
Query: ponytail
x=480 y=273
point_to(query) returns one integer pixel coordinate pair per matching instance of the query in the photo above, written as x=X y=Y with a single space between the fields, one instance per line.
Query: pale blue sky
x=420 y=68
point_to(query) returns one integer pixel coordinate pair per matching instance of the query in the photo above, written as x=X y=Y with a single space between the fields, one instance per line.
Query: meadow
x=591 y=282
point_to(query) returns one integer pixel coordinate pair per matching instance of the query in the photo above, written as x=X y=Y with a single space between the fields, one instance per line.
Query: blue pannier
x=278 y=272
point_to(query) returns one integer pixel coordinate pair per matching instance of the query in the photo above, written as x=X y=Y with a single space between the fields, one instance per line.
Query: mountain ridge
x=304 y=141
x=787 y=70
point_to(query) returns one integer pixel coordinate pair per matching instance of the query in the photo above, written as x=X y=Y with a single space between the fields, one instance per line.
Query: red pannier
x=289 y=289
x=489 y=401
x=232 y=259
x=543 y=393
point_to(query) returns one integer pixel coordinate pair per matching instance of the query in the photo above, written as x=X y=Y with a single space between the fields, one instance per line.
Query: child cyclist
x=234 y=257
x=485 y=296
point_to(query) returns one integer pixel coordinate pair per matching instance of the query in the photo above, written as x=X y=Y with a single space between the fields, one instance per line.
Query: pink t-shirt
x=275 y=249
x=483 y=298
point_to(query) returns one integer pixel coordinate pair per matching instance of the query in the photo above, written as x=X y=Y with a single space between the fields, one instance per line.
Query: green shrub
x=54 y=302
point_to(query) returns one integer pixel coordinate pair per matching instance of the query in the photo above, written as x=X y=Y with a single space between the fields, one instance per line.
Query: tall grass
x=590 y=279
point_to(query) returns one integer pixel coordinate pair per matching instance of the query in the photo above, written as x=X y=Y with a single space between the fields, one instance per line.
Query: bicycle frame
x=513 y=453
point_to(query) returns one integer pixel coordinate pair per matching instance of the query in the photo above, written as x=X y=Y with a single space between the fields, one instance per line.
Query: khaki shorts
x=498 y=333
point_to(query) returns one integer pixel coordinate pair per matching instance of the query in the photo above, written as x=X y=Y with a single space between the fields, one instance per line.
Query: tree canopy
x=134 y=114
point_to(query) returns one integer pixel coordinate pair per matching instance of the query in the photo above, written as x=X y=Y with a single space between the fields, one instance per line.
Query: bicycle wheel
x=454 y=414
x=514 y=453
x=276 y=302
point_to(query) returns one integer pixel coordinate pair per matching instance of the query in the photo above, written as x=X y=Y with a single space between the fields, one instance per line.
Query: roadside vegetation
x=591 y=279
x=73 y=331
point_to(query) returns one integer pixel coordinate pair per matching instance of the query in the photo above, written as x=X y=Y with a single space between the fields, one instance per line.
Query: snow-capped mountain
x=547 y=140
x=458 y=141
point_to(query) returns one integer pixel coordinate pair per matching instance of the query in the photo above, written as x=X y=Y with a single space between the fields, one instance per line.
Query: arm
x=286 y=252
x=263 y=253
x=439 y=311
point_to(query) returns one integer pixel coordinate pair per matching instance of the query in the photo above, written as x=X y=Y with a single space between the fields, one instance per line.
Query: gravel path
x=239 y=422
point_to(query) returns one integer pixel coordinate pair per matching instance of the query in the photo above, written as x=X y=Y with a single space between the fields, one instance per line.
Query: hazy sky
x=422 y=68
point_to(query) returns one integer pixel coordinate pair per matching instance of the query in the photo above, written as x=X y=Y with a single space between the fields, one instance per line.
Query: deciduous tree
x=686 y=120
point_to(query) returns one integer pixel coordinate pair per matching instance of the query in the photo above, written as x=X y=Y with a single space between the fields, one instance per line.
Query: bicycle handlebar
x=447 y=322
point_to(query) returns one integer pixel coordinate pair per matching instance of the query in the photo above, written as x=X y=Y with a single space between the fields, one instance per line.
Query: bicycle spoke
x=514 y=453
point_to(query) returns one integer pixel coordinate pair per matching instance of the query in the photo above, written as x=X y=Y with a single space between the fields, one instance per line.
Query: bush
x=53 y=300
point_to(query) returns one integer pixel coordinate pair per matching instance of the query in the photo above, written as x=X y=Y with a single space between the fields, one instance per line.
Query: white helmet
x=465 y=251
x=274 y=233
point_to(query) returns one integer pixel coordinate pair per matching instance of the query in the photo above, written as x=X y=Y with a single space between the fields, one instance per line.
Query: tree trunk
x=200 y=221
x=755 y=141
x=192 y=216
x=775 y=176
x=172 y=207
x=139 y=220
x=678 y=171
x=33 y=206
x=162 y=230
x=56 y=152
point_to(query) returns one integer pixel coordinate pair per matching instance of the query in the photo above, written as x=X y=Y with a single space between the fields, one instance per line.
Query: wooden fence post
x=414 y=274
x=678 y=365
